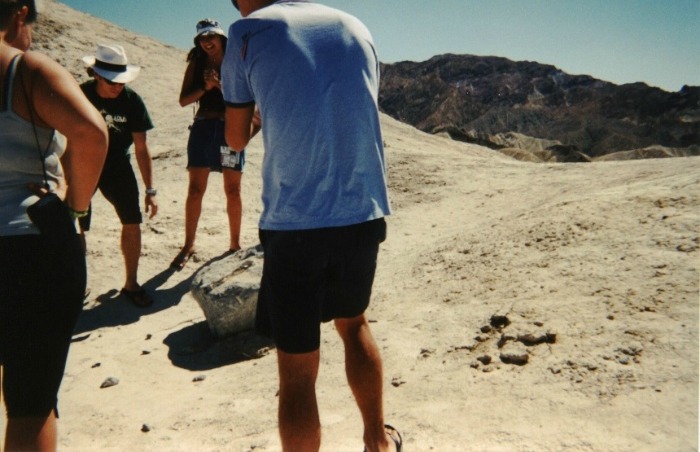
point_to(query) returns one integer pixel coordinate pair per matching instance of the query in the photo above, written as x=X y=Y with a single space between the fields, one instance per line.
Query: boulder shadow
x=196 y=348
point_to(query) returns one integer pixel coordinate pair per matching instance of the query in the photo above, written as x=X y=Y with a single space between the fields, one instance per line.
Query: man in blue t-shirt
x=313 y=74
x=127 y=122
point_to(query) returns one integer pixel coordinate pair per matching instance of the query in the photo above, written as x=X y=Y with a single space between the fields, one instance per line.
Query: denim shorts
x=205 y=144
x=314 y=276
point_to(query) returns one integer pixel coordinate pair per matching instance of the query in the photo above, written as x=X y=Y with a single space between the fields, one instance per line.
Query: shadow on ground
x=112 y=309
x=196 y=348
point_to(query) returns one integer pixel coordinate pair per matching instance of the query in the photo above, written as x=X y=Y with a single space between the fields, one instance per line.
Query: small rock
x=149 y=336
x=426 y=352
x=485 y=360
x=199 y=378
x=536 y=339
x=397 y=381
x=111 y=381
x=96 y=365
x=504 y=339
x=499 y=321
x=145 y=352
x=145 y=428
x=515 y=353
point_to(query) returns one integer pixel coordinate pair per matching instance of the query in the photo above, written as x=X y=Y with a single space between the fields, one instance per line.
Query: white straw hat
x=110 y=62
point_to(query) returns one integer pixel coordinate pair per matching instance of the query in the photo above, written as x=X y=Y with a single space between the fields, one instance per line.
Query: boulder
x=227 y=291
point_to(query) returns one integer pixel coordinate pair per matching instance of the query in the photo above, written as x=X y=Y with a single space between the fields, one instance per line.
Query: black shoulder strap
x=42 y=156
x=8 y=83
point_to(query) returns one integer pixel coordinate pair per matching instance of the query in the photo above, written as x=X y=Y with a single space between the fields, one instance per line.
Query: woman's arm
x=189 y=93
x=60 y=104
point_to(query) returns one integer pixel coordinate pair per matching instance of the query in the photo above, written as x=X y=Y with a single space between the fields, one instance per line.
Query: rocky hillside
x=534 y=111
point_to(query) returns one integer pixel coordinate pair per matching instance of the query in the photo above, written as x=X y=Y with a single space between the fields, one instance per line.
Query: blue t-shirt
x=313 y=72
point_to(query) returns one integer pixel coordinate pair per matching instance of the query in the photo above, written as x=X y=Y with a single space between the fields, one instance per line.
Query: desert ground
x=517 y=306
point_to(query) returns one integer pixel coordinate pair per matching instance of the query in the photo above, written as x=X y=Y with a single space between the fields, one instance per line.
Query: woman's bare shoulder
x=40 y=62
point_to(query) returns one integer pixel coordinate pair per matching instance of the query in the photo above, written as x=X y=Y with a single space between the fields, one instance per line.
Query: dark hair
x=199 y=57
x=197 y=53
x=9 y=7
x=235 y=4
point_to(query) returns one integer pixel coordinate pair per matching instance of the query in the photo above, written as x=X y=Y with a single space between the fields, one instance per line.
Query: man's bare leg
x=38 y=434
x=299 y=424
x=363 y=367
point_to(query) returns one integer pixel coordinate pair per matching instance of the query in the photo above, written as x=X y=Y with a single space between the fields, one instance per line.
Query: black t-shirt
x=124 y=115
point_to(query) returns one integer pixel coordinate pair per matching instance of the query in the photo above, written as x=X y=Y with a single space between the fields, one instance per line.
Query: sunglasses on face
x=111 y=83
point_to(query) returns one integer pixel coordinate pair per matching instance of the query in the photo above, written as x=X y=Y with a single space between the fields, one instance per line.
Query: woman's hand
x=212 y=79
x=60 y=190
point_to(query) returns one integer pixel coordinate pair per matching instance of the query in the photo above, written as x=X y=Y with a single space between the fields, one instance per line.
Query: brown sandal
x=138 y=297
x=181 y=259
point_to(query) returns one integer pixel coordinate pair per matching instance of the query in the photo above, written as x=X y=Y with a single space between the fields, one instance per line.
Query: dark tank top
x=213 y=100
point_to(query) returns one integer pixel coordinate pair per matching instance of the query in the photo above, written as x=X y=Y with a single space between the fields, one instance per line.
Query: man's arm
x=240 y=127
x=143 y=158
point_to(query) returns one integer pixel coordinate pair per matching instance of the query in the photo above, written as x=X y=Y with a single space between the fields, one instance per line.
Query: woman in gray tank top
x=42 y=281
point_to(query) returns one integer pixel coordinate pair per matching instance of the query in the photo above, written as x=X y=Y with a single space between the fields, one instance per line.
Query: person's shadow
x=193 y=347
x=114 y=310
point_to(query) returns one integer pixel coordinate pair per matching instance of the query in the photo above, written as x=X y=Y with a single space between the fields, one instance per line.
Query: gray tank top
x=20 y=163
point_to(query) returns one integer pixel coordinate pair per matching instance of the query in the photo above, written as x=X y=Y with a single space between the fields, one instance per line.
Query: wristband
x=151 y=191
x=75 y=214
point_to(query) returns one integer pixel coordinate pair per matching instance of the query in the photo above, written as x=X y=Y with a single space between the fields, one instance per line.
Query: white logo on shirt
x=113 y=122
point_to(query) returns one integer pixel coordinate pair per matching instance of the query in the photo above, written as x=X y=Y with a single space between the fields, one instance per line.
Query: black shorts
x=41 y=295
x=206 y=147
x=314 y=276
x=119 y=186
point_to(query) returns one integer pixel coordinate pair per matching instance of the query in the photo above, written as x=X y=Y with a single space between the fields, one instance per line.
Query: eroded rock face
x=227 y=291
x=574 y=118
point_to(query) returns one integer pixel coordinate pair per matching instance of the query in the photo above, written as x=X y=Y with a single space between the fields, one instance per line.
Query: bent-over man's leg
x=131 y=249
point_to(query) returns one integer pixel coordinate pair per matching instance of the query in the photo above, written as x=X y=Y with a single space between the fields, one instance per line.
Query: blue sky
x=621 y=41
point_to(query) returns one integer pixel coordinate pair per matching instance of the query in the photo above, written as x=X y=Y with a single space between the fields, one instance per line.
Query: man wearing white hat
x=128 y=122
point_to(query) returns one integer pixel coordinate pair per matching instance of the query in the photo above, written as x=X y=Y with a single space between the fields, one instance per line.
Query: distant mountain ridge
x=536 y=111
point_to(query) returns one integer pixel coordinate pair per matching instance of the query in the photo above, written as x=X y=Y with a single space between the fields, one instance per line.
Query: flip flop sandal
x=181 y=260
x=138 y=297
x=395 y=436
